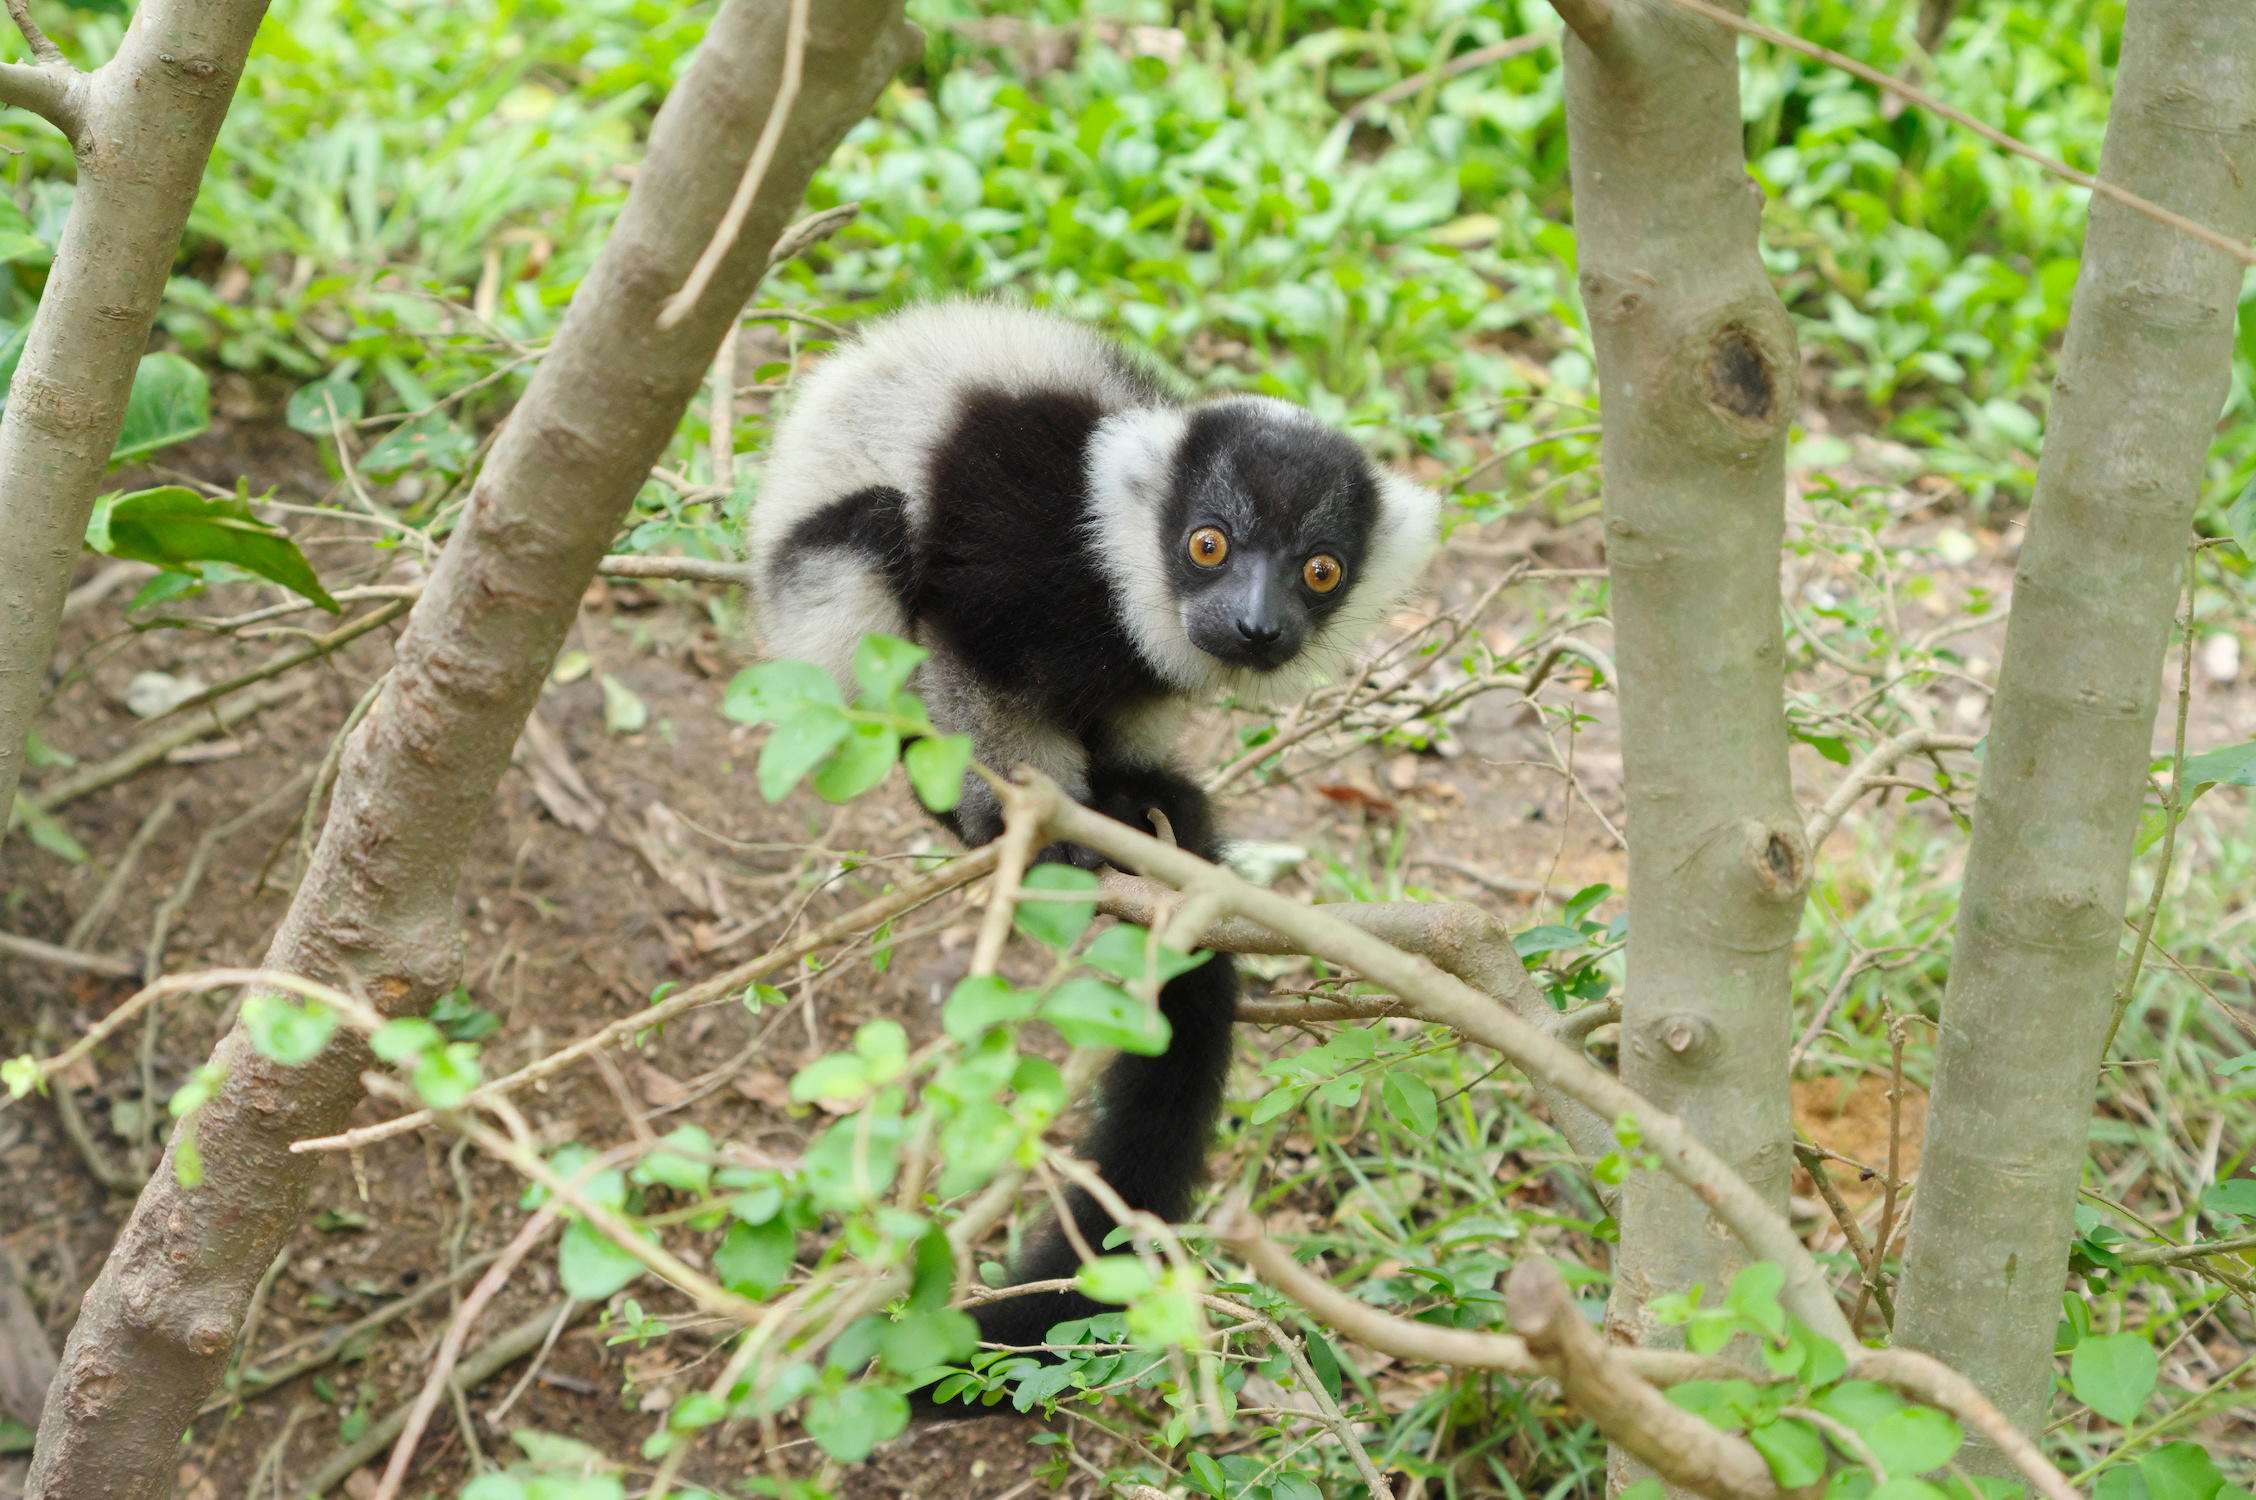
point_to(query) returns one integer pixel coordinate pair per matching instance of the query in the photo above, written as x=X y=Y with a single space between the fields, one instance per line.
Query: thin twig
x=144 y=753
x=1456 y=67
x=67 y=958
x=1875 y=766
x=2238 y=250
x=708 y=265
x=319 y=646
x=721 y=987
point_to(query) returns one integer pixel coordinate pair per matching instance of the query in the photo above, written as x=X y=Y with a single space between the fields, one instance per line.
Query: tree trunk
x=142 y=127
x=2142 y=378
x=376 y=911
x=1697 y=370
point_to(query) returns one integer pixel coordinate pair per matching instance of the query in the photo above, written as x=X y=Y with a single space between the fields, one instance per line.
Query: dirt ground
x=609 y=864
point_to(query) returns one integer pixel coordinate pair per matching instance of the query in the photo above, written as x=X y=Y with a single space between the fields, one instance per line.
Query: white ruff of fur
x=1131 y=460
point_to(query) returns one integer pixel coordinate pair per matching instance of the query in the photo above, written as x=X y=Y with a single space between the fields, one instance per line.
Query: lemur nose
x=1259 y=635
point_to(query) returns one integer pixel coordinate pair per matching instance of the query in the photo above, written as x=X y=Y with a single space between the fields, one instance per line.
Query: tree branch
x=1450 y=1001
x=1680 y=1447
x=1870 y=771
x=143 y=129
x=376 y=910
x=1459 y=939
x=53 y=91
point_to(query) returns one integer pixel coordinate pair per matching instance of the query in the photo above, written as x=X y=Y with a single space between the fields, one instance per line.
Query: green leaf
x=428 y=442
x=493 y=1487
x=287 y=1031
x=1410 y=1099
x=1056 y=924
x=1908 y=1489
x=2233 y=765
x=1114 y=1278
x=982 y=1001
x=1278 y=1101
x=170 y=403
x=884 y=1045
x=445 y=1076
x=686 y=1168
x=2180 y=1471
x=1754 y=1296
x=2240 y=521
x=776 y=689
x=847 y=1424
x=624 y=712
x=592 y=1264
x=47 y=833
x=2114 y=1375
x=798 y=744
x=2235 y=1195
x=20 y=1075
x=1546 y=940
x=308 y=409
x=858 y=764
x=1091 y=1013
x=397 y=1041
x=936 y=766
x=838 y=1077
x=1208 y=1476
x=1858 y=1404
x=754 y=1260
x=187 y=1161
x=1792 y=1448
x=854 y=1162
x=883 y=663
x=1127 y=952
x=1913 y=1440
x=920 y=1340
x=175 y=527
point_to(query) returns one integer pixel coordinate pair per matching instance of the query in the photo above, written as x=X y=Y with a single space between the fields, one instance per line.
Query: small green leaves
x=1913 y=1440
x=591 y=1264
x=859 y=762
x=775 y=690
x=287 y=1031
x=1091 y=1013
x=754 y=1260
x=1792 y=1448
x=682 y=1161
x=936 y=766
x=1056 y=923
x=883 y=664
x=170 y=403
x=20 y=1075
x=397 y=1041
x=982 y=1001
x=1130 y=954
x=1115 y=1278
x=850 y=1422
x=2235 y=1196
x=446 y=1076
x=1410 y=1099
x=2114 y=1374
x=178 y=529
x=799 y=743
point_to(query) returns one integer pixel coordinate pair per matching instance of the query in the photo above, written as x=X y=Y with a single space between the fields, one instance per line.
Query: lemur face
x=1268 y=521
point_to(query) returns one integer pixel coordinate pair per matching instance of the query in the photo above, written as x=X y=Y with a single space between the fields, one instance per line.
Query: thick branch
x=1460 y=940
x=56 y=92
x=143 y=129
x=1448 y=1000
x=2143 y=374
x=376 y=912
x=1680 y=1447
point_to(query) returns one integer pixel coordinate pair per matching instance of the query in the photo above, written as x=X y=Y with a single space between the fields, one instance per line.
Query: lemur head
x=1250 y=544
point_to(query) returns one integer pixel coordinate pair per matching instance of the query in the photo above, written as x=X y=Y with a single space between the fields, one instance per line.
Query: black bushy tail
x=1154 y=1115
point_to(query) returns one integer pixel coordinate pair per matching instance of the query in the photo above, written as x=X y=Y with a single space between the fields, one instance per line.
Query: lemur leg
x=1004 y=736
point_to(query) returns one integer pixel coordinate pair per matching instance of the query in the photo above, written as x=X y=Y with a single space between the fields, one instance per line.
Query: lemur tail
x=1155 y=1117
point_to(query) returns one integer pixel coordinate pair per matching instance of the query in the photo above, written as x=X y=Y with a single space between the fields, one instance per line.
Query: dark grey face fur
x=1292 y=502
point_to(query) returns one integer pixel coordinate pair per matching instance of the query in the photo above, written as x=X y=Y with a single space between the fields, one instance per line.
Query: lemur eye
x=1321 y=573
x=1209 y=546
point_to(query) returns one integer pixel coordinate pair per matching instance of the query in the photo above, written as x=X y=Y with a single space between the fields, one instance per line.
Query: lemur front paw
x=1076 y=855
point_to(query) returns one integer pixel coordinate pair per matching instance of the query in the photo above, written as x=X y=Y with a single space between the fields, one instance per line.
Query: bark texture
x=2142 y=378
x=1696 y=367
x=376 y=913
x=142 y=127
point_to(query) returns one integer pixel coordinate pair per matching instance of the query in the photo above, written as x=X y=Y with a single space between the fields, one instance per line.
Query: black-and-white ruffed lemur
x=1087 y=558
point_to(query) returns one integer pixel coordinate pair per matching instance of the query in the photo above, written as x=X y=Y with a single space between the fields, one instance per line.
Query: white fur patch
x=822 y=608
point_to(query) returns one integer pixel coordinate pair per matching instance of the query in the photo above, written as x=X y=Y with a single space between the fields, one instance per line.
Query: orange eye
x=1209 y=546
x=1321 y=573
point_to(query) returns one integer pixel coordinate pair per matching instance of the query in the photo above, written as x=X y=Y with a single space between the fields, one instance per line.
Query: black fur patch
x=1278 y=488
x=873 y=522
x=1005 y=568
